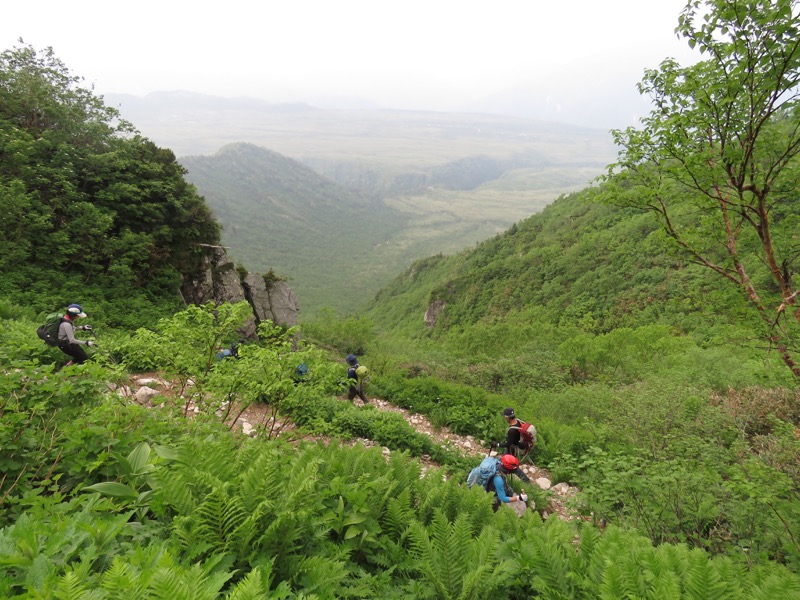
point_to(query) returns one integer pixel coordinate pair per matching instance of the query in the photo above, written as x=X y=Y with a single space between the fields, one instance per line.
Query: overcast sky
x=414 y=54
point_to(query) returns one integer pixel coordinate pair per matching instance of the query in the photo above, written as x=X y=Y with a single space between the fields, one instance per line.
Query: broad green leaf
x=113 y=489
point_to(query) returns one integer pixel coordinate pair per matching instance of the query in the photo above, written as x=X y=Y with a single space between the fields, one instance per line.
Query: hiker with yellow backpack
x=356 y=378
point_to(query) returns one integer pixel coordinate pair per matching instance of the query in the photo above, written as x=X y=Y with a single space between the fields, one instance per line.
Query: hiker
x=67 y=342
x=230 y=352
x=498 y=484
x=355 y=378
x=520 y=436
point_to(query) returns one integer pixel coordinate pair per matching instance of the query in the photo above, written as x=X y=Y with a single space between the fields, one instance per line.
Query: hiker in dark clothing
x=67 y=342
x=354 y=378
x=514 y=443
x=498 y=484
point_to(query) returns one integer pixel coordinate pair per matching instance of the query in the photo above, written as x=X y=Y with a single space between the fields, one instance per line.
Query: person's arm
x=500 y=489
x=512 y=437
x=521 y=474
x=69 y=332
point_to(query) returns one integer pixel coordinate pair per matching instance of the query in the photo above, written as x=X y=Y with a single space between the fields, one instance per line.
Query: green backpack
x=49 y=331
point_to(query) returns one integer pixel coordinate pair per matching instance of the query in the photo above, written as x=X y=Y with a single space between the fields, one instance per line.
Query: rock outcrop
x=220 y=281
x=432 y=313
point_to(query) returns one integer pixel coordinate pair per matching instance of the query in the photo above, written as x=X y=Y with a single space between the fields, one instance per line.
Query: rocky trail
x=145 y=388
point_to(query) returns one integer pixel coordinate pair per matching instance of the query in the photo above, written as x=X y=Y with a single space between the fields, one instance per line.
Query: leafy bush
x=342 y=334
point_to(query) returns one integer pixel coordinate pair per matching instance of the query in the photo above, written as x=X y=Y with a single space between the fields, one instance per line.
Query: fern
x=249 y=588
x=450 y=558
x=73 y=585
x=703 y=581
x=123 y=582
x=398 y=515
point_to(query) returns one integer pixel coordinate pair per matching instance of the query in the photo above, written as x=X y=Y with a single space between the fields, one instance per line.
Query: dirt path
x=260 y=415
x=465 y=445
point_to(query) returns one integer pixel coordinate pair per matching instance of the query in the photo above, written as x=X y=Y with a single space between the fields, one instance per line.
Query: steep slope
x=577 y=263
x=278 y=214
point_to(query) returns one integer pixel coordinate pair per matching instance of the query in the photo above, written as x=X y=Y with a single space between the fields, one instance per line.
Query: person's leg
x=76 y=351
x=351 y=392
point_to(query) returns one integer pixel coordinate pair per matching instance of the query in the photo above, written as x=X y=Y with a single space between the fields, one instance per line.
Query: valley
x=399 y=185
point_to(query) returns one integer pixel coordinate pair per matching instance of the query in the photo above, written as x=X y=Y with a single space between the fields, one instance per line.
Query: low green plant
x=136 y=481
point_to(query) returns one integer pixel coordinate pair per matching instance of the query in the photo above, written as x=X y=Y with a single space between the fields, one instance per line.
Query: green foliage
x=717 y=158
x=462 y=409
x=138 y=483
x=86 y=198
x=455 y=562
x=342 y=334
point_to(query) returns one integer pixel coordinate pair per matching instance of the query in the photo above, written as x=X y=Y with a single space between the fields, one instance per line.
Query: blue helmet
x=351 y=359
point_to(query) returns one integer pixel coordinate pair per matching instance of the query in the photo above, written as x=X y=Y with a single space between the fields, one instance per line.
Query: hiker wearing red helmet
x=498 y=484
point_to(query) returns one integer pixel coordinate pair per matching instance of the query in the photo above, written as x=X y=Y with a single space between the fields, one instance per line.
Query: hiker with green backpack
x=356 y=378
x=60 y=330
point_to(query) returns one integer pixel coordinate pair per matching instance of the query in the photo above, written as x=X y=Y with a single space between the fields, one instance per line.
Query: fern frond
x=703 y=582
x=122 y=581
x=779 y=584
x=73 y=586
x=398 y=515
x=249 y=588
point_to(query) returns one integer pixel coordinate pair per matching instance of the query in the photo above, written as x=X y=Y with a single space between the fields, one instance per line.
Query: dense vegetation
x=645 y=373
x=278 y=214
x=91 y=210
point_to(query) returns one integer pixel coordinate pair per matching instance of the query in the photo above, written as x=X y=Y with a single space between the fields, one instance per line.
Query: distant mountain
x=190 y=123
x=387 y=187
x=279 y=214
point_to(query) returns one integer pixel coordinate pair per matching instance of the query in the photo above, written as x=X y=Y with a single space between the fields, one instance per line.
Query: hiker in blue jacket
x=67 y=342
x=498 y=484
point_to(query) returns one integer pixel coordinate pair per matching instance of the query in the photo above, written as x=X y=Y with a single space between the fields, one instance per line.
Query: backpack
x=483 y=473
x=48 y=332
x=527 y=435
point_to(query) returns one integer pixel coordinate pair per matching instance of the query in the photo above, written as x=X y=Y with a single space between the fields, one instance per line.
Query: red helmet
x=509 y=462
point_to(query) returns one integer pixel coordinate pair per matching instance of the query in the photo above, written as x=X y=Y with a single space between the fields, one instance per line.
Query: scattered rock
x=544 y=483
x=149 y=382
x=145 y=394
x=561 y=488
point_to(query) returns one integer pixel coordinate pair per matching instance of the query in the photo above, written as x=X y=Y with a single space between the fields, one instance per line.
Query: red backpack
x=527 y=435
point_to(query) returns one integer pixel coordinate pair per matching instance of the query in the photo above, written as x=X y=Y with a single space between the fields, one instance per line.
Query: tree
x=85 y=200
x=717 y=158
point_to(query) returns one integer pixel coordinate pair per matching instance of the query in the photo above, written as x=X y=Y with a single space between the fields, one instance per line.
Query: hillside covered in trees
x=653 y=350
x=90 y=208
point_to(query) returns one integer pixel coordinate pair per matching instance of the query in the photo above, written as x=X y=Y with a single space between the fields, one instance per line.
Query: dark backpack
x=48 y=332
x=483 y=473
x=527 y=436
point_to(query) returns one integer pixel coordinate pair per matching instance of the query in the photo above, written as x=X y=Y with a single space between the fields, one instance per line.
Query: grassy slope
x=577 y=263
x=278 y=214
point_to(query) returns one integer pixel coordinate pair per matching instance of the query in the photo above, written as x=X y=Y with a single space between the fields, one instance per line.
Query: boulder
x=218 y=280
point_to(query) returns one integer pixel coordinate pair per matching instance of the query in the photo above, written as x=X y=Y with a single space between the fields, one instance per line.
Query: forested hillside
x=277 y=214
x=91 y=210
